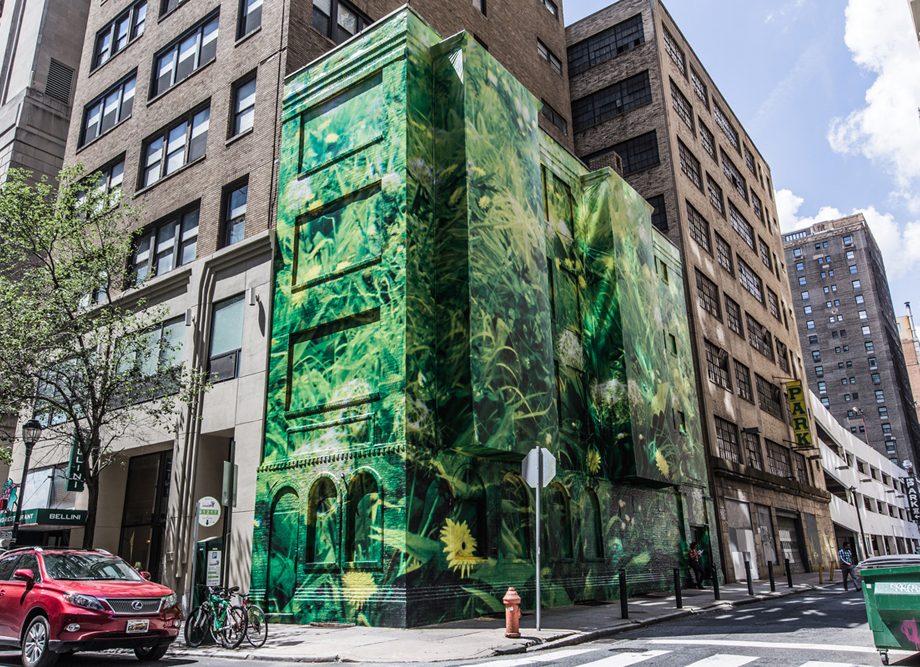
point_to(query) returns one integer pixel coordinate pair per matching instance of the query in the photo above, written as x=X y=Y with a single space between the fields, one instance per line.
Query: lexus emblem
x=137 y=605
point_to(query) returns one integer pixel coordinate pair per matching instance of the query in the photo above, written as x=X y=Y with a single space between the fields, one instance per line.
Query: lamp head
x=31 y=432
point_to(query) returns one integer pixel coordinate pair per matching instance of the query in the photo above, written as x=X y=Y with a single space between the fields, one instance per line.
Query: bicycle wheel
x=257 y=626
x=197 y=626
x=234 y=627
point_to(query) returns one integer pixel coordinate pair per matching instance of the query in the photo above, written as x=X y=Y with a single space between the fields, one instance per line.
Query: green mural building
x=452 y=289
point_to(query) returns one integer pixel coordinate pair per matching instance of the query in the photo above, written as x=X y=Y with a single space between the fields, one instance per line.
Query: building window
x=681 y=105
x=116 y=35
x=758 y=207
x=638 y=153
x=606 y=44
x=244 y=106
x=549 y=56
x=813 y=340
x=801 y=468
x=677 y=55
x=774 y=304
x=782 y=356
x=869 y=346
x=364 y=520
x=708 y=295
x=338 y=20
x=743 y=378
x=853 y=269
x=322 y=523
x=860 y=299
x=778 y=458
x=883 y=412
x=733 y=315
x=167 y=6
x=226 y=339
x=807 y=310
x=752 y=449
x=699 y=87
x=810 y=324
x=689 y=164
x=800 y=266
x=797 y=252
x=708 y=141
x=182 y=143
x=715 y=195
x=857 y=284
x=880 y=396
x=659 y=213
x=555 y=118
x=826 y=402
x=480 y=5
x=759 y=337
x=717 y=366
x=873 y=363
x=551 y=6
x=727 y=439
x=731 y=171
x=740 y=225
x=819 y=371
x=611 y=101
x=750 y=280
x=166 y=245
x=863 y=315
x=250 y=17
x=177 y=61
x=724 y=252
x=765 y=254
x=234 y=222
x=866 y=331
x=109 y=109
x=876 y=378
x=816 y=355
x=749 y=161
x=726 y=126
x=699 y=228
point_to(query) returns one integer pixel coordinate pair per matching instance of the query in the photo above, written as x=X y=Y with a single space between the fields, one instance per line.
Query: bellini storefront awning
x=44 y=519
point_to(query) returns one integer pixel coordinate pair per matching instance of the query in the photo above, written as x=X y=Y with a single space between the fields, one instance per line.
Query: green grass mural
x=452 y=288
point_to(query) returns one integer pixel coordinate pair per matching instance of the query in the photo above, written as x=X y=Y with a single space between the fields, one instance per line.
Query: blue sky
x=829 y=92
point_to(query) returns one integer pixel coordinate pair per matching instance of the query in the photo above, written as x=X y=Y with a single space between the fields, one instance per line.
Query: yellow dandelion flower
x=460 y=546
x=359 y=587
x=593 y=461
x=662 y=463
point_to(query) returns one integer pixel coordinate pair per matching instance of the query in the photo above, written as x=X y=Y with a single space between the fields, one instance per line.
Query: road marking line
x=724 y=660
x=537 y=657
x=731 y=642
x=625 y=659
x=818 y=663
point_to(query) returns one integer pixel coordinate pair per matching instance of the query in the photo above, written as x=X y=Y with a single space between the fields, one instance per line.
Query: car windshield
x=88 y=567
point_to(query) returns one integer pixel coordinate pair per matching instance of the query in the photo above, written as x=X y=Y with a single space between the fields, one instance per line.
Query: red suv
x=62 y=600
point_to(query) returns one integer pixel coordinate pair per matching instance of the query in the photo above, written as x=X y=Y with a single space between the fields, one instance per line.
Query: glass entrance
x=143 y=525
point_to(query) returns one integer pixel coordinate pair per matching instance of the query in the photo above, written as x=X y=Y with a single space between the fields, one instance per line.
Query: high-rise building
x=639 y=91
x=846 y=323
x=910 y=346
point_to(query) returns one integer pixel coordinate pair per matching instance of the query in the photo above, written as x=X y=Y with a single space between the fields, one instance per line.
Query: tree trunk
x=89 y=532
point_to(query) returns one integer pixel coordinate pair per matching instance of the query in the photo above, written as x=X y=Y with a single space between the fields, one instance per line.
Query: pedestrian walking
x=696 y=563
x=848 y=566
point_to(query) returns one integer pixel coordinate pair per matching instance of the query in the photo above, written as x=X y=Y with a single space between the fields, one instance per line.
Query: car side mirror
x=24 y=575
x=145 y=574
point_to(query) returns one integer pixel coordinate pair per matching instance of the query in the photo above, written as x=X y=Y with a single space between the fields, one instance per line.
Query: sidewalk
x=485 y=637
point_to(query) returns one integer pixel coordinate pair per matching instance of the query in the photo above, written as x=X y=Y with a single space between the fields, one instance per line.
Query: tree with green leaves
x=80 y=348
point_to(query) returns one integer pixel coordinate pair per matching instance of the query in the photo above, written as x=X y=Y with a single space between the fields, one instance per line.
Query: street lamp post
x=862 y=533
x=31 y=431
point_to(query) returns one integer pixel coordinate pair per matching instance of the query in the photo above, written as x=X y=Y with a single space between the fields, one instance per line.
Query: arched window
x=517 y=529
x=591 y=526
x=559 y=524
x=470 y=507
x=284 y=543
x=322 y=523
x=364 y=515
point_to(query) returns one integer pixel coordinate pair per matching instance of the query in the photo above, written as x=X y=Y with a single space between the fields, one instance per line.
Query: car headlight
x=80 y=600
x=169 y=601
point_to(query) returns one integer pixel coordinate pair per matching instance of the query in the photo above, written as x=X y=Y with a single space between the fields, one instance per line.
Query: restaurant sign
x=41 y=517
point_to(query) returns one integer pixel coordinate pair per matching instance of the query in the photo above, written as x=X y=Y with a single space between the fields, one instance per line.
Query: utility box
x=208 y=559
x=891 y=586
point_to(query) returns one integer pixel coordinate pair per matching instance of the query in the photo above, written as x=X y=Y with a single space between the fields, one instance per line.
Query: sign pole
x=539 y=493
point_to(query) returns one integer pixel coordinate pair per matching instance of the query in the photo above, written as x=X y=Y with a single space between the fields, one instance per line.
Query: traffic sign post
x=538 y=469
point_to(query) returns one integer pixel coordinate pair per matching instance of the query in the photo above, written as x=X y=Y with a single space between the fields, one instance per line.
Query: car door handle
x=2 y=593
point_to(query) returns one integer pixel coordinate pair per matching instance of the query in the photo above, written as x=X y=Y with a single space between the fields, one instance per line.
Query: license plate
x=138 y=626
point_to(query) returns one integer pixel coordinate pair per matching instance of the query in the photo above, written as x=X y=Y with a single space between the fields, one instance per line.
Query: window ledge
x=127 y=46
x=104 y=134
x=247 y=36
x=237 y=137
x=176 y=85
x=181 y=169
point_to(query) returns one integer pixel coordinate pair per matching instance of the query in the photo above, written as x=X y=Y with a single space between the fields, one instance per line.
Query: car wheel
x=35 y=649
x=150 y=652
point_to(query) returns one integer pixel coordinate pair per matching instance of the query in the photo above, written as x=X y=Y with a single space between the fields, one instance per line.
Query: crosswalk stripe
x=625 y=659
x=750 y=644
x=542 y=656
x=819 y=663
x=724 y=660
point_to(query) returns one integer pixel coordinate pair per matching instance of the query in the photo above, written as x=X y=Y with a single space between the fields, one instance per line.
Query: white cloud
x=882 y=41
x=783 y=11
x=899 y=242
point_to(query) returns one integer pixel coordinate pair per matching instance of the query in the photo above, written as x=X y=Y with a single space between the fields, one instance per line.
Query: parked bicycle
x=256 y=625
x=226 y=623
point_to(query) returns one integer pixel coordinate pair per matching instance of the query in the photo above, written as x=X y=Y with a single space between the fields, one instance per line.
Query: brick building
x=910 y=345
x=847 y=325
x=639 y=91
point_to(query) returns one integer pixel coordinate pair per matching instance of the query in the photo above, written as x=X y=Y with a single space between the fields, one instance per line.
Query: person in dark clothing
x=848 y=566
x=696 y=563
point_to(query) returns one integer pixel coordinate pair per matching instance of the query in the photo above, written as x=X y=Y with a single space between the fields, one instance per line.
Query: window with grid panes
x=730 y=170
x=769 y=396
x=759 y=337
x=699 y=228
x=186 y=55
x=681 y=105
x=724 y=253
x=733 y=315
x=677 y=55
x=555 y=118
x=699 y=87
x=727 y=439
x=551 y=7
x=659 y=213
x=708 y=295
x=764 y=253
x=750 y=280
x=743 y=379
x=819 y=371
x=109 y=109
x=637 y=153
x=689 y=164
x=755 y=203
x=715 y=195
x=752 y=449
x=606 y=44
x=338 y=20
x=801 y=468
x=749 y=161
x=773 y=300
x=782 y=356
x=717 y=368
x=166 y=245
x=739 y=224
x=611 y=101
x=116 y=35
x=182 y=143
x=549 y=56
x=726 y=126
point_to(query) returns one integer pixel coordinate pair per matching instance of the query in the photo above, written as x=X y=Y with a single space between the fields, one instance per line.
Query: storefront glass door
x=144 y=523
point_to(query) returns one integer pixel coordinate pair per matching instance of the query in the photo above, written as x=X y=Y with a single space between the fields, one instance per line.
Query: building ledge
x=743 y=473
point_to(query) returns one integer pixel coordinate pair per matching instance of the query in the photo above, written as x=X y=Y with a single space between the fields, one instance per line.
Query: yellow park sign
x=798 y=406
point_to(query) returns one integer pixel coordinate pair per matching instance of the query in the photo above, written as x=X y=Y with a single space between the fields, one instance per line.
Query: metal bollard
x=831 y=578
x=747 y=573
x=715 y=582
x=772 y=579
x=789 y=574
x=820 y=573
x=680 y=603
x=624 y=596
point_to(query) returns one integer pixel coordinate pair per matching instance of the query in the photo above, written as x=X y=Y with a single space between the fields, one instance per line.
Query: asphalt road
x=822 y=629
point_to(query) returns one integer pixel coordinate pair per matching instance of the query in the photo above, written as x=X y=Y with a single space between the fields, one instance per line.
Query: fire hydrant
x=512 y=613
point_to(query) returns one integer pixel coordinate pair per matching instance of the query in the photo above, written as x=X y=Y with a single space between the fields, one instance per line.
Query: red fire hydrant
x=512 y=613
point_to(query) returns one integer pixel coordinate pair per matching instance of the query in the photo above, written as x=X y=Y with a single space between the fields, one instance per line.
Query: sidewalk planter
x=891 y=586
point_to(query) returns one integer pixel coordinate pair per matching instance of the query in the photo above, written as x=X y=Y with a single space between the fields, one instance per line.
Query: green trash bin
x=891 y=586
